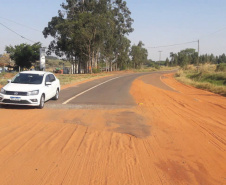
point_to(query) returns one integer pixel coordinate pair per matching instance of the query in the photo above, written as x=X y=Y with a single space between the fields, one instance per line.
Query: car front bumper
x=19 y=100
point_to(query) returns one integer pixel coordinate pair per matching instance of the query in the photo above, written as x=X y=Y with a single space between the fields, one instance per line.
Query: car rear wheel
x=42 y=102
x=56 y=97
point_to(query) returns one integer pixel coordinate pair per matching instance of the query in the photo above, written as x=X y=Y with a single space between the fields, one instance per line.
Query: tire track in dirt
x=70 y=155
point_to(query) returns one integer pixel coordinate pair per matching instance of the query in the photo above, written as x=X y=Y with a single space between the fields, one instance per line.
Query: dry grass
x=204 y=78
x=64 y=78
x=4 y=77
x=71 y=78
x=151 y=69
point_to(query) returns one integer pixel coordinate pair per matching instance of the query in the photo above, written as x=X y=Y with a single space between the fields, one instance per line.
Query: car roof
x=36 y=72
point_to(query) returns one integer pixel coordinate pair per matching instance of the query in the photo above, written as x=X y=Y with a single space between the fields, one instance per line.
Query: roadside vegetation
x=64 y=78
x=209 y=77
x=206 y=72
x=159 y=68
x=5 y=76
x=72 y=78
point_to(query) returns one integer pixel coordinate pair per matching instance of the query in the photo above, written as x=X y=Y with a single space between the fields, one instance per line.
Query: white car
x=31 y=88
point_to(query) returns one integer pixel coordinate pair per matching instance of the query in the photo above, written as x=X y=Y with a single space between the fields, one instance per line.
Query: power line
x=17 y=33
x=173 y=45
x=21 y=24
x=190 y=41
x=214 y=32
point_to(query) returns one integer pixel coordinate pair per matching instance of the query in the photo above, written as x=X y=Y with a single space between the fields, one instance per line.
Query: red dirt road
x=169 y=138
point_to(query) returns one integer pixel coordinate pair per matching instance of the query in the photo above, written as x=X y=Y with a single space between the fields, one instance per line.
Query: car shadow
x=18 y=107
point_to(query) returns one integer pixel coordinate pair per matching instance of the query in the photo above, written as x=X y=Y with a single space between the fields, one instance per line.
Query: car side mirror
x=48 y=83
x=9 y=81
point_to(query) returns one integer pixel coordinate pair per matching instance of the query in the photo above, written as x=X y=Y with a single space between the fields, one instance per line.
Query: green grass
x=217 y=78
x=206 y=78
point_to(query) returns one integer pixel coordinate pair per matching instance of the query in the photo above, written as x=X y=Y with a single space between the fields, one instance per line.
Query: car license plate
x=15 y=98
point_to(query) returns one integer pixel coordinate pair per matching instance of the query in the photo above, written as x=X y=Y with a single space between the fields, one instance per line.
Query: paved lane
x=108 y=91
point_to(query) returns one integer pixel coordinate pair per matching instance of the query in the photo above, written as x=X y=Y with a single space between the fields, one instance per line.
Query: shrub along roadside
x=4 y=77
x=221 y=67
x=71 y=78
x=207 y=78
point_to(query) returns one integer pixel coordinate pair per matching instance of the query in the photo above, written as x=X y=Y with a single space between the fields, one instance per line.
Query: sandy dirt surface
x=173 y=136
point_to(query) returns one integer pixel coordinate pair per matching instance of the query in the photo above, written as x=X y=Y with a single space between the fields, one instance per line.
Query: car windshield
x=25 y=78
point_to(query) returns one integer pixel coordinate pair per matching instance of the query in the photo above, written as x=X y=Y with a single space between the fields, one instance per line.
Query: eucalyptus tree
x=167 y=62
x=86 y=29
x=123 y=60
x=174 y=59
x=184 y=57
x=139 y=55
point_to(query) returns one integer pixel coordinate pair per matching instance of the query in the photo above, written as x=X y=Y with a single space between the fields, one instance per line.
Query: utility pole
x=42 y=59
x=198 y=56
x=160 y=52
x=198 y=47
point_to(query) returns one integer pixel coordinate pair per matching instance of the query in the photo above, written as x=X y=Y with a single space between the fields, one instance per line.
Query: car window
x=27 y=78
x=52 y=77
x=47 y=78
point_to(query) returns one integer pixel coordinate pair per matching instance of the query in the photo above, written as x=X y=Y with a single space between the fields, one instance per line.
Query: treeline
x=190 y=56
x=93 y=34
x=90 y=34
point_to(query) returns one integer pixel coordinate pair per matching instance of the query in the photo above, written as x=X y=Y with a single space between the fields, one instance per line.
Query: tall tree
x=221 y=59
x=167 y=62
x=184 y=57
x=174 y=59
x=85 y=30
x=123 y=60
x=139 y=55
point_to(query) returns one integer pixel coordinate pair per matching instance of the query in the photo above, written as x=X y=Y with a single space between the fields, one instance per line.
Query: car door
x=48 y=88
x=54 y=84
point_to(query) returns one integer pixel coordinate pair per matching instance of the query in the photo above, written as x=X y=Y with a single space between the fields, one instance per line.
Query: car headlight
x=3 y=91
x=33 y=93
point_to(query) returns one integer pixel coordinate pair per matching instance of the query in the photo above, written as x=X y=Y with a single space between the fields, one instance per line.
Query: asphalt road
x=105 y=92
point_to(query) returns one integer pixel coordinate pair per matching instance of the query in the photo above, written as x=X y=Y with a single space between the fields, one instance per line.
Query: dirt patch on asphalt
x=128 y=122
x=156 y=80
x=169 y=138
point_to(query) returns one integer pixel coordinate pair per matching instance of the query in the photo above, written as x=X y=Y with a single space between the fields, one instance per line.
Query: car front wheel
x=56 y=97
x=42 y=102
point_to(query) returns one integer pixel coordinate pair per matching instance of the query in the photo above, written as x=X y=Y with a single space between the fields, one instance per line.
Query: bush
x=96 y=70
x=205 y=68
x=190 y=67
x=156 y=66
x=221 y=67
x=179 y=73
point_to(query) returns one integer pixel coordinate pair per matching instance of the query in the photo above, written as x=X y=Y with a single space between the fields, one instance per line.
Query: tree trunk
x=79 y=67
x=74 y=68
x=110 y=65
x=106 y=66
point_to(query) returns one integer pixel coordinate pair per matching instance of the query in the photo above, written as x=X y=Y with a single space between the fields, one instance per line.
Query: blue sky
x=156 y=23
